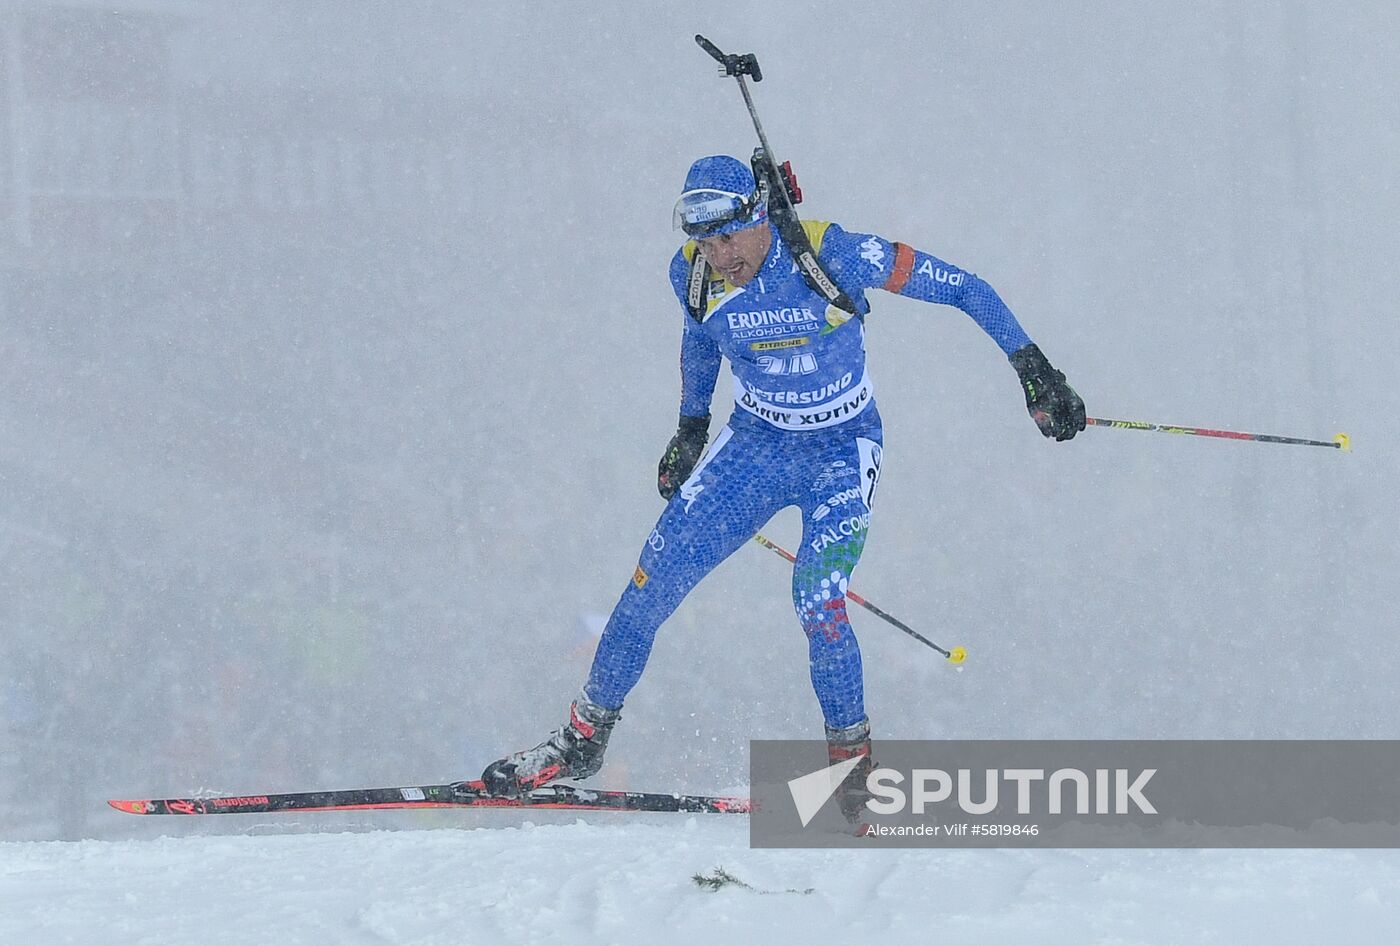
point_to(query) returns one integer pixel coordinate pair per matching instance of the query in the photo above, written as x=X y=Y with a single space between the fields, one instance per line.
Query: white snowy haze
x=337 y=353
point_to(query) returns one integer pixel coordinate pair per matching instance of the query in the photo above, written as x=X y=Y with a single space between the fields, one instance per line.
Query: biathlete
x=805 y=431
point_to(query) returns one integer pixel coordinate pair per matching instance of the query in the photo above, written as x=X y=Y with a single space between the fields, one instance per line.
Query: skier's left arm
x=867 y=261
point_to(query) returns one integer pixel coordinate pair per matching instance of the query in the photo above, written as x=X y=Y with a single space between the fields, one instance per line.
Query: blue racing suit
x=804 y=431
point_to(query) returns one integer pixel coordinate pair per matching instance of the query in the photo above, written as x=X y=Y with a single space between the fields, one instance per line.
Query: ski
x=456 y=795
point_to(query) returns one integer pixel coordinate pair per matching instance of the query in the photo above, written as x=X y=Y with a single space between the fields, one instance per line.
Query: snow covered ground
x=606 y=881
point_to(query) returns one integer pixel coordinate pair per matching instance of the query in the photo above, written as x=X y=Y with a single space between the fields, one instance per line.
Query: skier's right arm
x=700 y=356
x=700 y=362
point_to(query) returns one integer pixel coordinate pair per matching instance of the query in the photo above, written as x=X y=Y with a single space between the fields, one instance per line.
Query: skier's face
x=738 y=256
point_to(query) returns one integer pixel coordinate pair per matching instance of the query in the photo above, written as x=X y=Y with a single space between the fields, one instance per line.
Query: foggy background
x=338 y=352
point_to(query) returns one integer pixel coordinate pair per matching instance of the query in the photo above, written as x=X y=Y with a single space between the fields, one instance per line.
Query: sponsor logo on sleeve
x=953 y=277
x=873 y=253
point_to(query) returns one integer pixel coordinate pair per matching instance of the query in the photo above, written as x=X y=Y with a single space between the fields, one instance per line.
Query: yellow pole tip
x=1343 y=441
x=957 y=655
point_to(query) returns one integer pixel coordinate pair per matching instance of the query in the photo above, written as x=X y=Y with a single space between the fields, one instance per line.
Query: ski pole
x=957 y=655
x=1340 y=442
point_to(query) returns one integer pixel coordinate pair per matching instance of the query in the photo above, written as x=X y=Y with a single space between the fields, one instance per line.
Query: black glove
x=682 y=453
x=1052 y=403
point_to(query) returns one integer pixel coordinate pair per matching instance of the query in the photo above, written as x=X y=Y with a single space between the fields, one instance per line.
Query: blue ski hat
x=720 y=196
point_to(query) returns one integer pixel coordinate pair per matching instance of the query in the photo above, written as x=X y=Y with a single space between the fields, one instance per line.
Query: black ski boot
x=574 y=750
x=848 y=743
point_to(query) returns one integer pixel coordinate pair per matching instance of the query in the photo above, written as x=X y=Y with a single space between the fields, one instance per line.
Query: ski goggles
x=708 y=212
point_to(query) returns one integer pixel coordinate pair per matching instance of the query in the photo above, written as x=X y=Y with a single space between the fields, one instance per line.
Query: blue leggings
x=745 y=478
